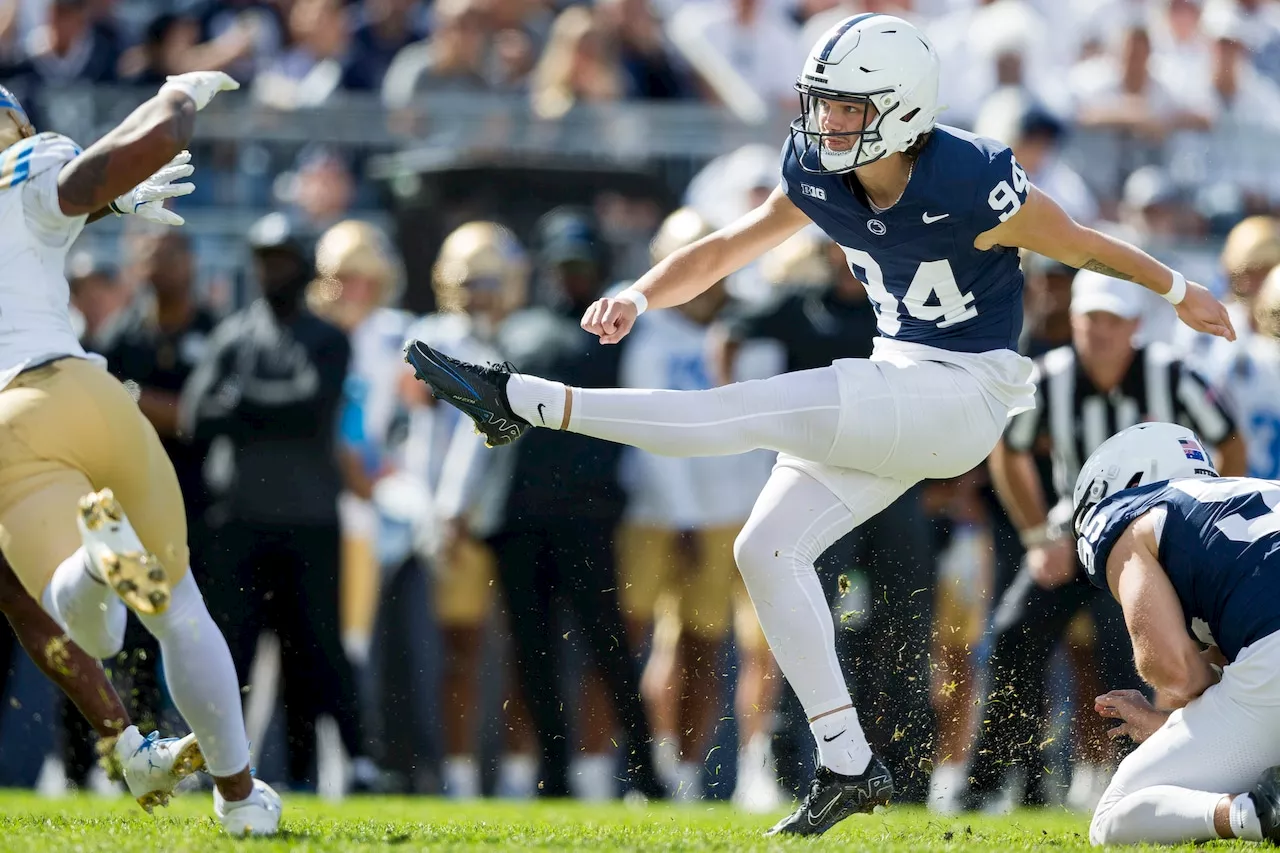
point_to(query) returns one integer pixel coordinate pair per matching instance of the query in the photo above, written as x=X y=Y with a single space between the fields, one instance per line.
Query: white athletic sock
x=591 y=778
x=842 y=745
x=518 y=776
x=538 y=401
x=797 y=413
x=1244 y=818
x=461 y=777
x=85 y=607
x=202 y=678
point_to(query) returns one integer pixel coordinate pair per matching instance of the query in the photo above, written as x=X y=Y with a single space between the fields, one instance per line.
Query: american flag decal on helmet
x=1192 y=450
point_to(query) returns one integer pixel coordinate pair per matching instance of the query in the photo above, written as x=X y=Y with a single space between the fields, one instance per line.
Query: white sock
x=591 y=778
x=798 y=413
x=202 y=678
x=85 y=607
x=538 y=401
x=842 y=746
x=518 y=776
x=666 y=759
x=1244 y=818
x=461 y=777
x=688 y=782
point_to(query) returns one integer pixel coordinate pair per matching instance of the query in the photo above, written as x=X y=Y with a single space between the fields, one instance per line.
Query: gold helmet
x=678 y=230
x=349 y=251
x=14 y=124
x=1266 y=305
x=801 y=260
x=480 y=257
x=682 y=228
x=1252 y=249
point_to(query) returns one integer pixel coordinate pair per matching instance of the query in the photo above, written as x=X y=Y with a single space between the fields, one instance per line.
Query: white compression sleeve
x=202 y=678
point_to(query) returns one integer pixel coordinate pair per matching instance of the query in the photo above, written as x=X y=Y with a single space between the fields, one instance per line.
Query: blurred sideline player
x=1248 y=380
x=1191 y=558
x=480 y=277
x=358 y=280
x=675 y=548
x=77 y=451
x=936 y=252
x=962 y=601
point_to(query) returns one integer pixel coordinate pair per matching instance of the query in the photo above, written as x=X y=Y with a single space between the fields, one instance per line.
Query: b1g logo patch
x=813 y=192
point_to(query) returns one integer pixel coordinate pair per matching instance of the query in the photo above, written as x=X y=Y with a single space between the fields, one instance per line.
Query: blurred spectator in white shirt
x=1262 y=30
x=311 y=69
x=1036 y=136
x=737 y=45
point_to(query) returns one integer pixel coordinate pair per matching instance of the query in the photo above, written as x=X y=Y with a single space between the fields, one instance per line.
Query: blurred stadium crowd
x=500 y=622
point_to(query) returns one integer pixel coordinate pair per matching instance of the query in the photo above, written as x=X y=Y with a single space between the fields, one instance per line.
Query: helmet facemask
x=808 y=140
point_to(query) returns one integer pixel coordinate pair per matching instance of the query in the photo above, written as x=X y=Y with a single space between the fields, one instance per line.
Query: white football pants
x=851 y=439
x=1166 y=791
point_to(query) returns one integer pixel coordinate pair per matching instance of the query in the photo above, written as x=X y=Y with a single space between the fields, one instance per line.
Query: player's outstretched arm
x=146 y=141
x=687 y=272
x=1041 y=226
x=1164 y=653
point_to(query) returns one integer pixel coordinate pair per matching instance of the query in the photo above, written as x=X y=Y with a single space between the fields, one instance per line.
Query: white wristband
x=1035 y=537
x=636 y=298
x=180 y=86
x=1178 y=291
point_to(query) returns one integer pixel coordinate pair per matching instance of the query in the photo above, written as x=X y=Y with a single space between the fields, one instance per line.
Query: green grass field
x=92 y=825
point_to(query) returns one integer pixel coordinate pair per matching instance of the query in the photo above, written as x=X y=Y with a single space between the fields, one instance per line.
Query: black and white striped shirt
x=1072 y=417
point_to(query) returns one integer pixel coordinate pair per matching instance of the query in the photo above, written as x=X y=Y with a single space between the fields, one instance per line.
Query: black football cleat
x=1266 y=802
x=834 y=797
x=478 y=392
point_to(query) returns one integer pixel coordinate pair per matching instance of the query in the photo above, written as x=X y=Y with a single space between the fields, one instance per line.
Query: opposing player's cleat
x=1266 y=802
x=256 y=814
x=478 y=392
x=118 y=558
x=834 y=797
x=153 y=766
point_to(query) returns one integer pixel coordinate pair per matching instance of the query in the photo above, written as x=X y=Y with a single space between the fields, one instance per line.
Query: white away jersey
x=1248 y=378
x=35 y=236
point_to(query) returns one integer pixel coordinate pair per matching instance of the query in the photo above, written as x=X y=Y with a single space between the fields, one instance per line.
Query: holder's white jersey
x=35 y=237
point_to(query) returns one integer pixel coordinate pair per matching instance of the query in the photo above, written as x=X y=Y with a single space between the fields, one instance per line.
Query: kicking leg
x=795 y=519
x=798 y=412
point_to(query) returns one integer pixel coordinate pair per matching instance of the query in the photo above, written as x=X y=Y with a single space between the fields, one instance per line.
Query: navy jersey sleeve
x=784 y=164
x=1107 y=522
x=1000 y=188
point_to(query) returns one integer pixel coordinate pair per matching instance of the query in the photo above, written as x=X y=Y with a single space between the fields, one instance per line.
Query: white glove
x=201 y=86
x=147 y=198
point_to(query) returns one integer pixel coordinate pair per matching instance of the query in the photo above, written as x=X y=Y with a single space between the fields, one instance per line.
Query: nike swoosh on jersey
x=929 y=220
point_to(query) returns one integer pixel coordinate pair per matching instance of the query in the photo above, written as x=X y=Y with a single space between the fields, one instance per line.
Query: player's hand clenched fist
x=610 y=319
x=201 y=85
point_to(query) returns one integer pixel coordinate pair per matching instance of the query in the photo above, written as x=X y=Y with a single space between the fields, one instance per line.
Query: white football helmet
x=877 y=59
x=1139 y=456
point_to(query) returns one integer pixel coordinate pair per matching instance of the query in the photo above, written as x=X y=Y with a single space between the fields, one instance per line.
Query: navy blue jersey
x=917 y=260
x=1219 y=548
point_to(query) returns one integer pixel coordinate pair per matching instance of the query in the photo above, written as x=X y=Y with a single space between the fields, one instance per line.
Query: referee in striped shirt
x=1085 y=393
